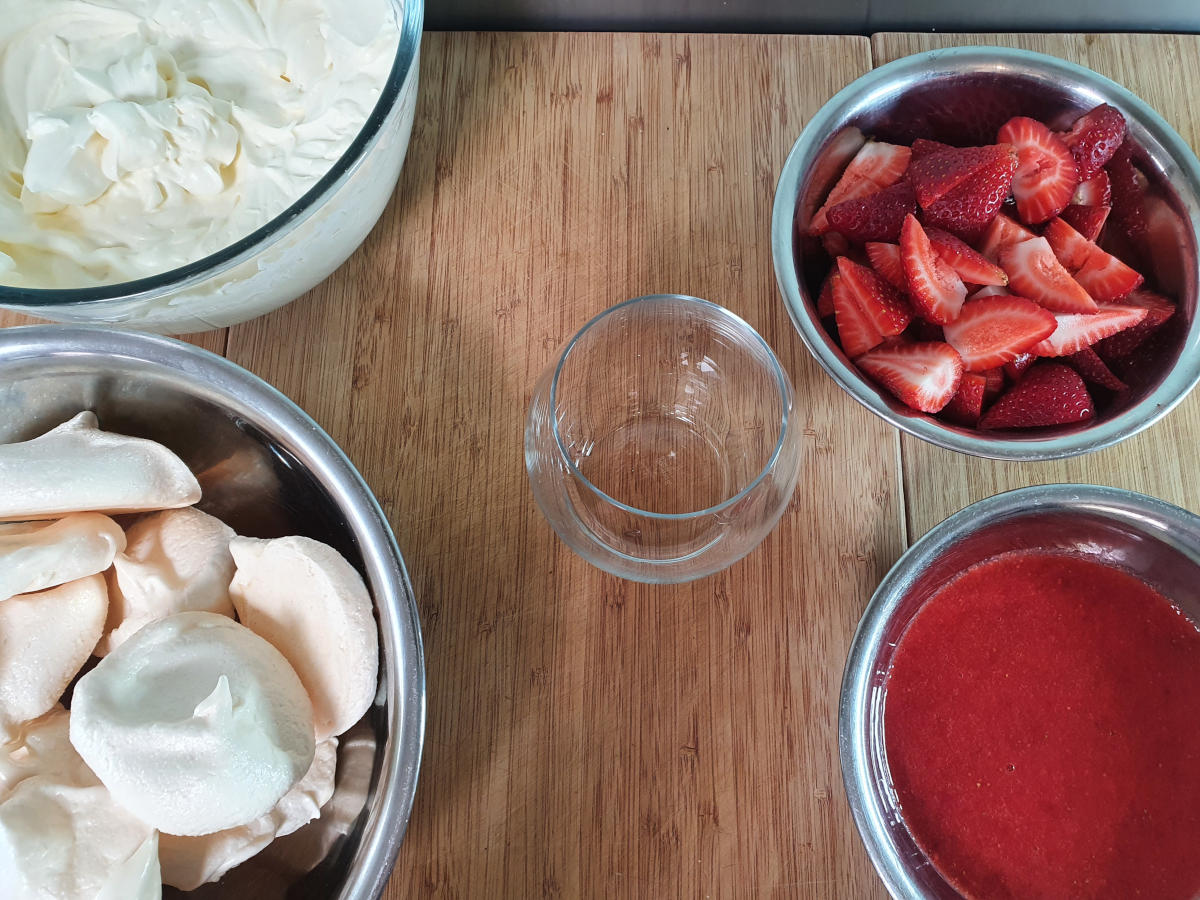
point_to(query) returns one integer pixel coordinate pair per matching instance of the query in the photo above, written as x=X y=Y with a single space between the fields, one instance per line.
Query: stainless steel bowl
x=1156 y=541
x=266 y=469
x=968 y=92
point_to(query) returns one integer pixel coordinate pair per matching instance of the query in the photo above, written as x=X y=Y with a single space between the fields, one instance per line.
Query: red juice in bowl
x=1042 y=730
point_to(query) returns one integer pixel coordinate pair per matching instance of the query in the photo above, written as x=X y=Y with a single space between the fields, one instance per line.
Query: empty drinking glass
x=661 y=444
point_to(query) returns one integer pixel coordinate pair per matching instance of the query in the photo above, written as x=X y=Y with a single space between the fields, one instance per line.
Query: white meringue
x=188 y=862
x=45 y=638
x=76 y=467
x=62 y=837
x=195 y=724
x=48 y=555
x=312 y=605
x=177 y=560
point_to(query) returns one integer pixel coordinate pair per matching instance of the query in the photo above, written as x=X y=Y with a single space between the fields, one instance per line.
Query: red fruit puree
x=1042 y=727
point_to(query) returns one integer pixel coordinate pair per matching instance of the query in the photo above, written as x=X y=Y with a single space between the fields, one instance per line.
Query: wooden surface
x=589 y=737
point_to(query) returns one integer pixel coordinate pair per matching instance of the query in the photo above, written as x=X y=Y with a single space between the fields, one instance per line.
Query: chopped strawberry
x=875 y=217
x=856 y=331
x=1128 y=193
x=1076 y=331
x=885 y=259
x=937 y=292
x=1001 y=232
x=1093 y=369
x=935 y=175
x=970 y=266
x=1049 y=394
x=924 y=147
x=1096 y=191
x=968 y=209
x=1035 y=272
x=993 y=383
x=922 y=376
x=1046 y=174
x=1120 y=345
x=1015 y=369
x=825 y=298
x=1087 y=220
x=1101 y=274
x=876 y=166
x=1094 y=138
x=995 y=330
x=966 y=406
x=884 y=306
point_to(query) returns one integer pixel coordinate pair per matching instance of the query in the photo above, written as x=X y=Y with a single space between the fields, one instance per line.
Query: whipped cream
x=140 y=135
x=48 y=555
x=312 y=605
x=176 y=560
x=195 y=724
x=45 y=638
x=76 y=467
x=61 y=835
x=188 y=862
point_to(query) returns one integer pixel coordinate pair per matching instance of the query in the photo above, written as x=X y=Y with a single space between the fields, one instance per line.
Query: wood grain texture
x=1159 y=461
x=589 y=737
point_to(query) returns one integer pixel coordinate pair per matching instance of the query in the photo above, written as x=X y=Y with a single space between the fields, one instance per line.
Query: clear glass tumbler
x=662 y=444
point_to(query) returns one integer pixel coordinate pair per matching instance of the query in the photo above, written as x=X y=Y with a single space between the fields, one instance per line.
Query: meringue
x=188 y=862
x=195 y=724
x=312 y=605
x=143 y=135
x=61 y=835
x=45 y=638
x=177 y=560
x=44 y=556
x=76 y=467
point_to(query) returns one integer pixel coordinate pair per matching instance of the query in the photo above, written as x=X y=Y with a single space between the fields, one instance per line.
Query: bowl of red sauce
x=1020 y=711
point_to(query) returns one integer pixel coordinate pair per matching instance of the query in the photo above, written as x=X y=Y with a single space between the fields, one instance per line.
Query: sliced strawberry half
x=1076 y=331
x=995 y=330
x=1087 y=220
x=937 y=293
x=966 y=406
x=1128 y=194
x=1035 y=272
x=971 y=267
x=922 y=376
x=1096 y=191
x=1001 y=232
x=875 y=217
x=885 y=259
x=924 y=147
x=969 y=208
x=1015 y=369
x=1046 y=173
x=876 y=166
x=1158 y=310
x=1094 y=138
x=825 y=298
x=1094 y=370
x=934 y=175
x=884 y=306
x=1101 y=274
x=855 y=329
x=1049 y=394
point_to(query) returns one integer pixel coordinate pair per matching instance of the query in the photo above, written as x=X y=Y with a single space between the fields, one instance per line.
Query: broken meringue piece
x=312 y=605
x=62 y=837
x=45 y=638
x=47 y=555
x=188 y=862
x=176 y=560
x=76 y=467
x=195 y=724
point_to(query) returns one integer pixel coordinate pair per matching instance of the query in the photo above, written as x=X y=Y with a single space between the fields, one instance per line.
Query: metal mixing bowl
x=288 y=255
x=267 y=470
x=963 y=95
x=1155 y=541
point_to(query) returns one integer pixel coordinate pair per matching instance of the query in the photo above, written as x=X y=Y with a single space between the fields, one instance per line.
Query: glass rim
x=410 y=19
x=781 y=382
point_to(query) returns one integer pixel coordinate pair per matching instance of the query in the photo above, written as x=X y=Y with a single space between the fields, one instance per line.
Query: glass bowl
x=287 y=256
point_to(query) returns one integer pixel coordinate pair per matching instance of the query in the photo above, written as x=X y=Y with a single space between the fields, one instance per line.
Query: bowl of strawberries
x=996 y=251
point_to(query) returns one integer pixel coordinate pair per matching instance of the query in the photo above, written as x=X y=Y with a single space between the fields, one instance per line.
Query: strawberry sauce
x=1042 y=728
